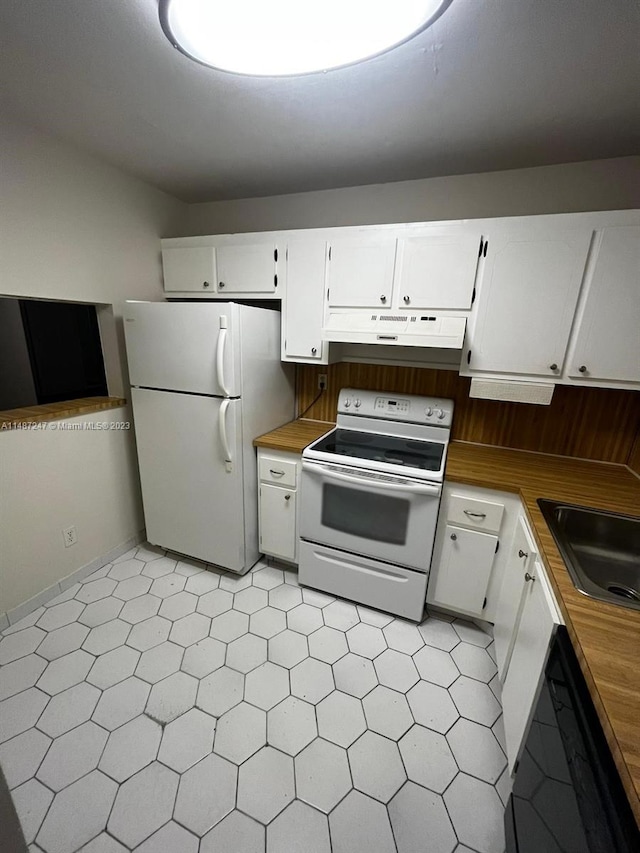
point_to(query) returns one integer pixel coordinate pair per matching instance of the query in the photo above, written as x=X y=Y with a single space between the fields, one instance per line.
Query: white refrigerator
x=206 y=380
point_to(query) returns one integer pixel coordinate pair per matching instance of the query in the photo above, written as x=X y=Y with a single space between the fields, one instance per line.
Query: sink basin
x=601 y=550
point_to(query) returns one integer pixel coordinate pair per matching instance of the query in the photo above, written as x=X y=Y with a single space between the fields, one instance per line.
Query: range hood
x=408 y=329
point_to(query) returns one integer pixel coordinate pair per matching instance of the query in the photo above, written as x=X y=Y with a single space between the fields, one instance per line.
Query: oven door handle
x=414 y=488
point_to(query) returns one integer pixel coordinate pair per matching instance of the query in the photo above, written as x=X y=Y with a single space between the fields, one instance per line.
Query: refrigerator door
x=191 y=472
x=179 y=346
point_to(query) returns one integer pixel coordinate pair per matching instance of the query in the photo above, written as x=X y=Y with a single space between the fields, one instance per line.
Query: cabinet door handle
x=406 y=300
x=474 y=514
x=383 y=298
x=287 y=497
x=276 y=473
x=206 y=284
x=314 y=350
x=221 y=284
x=454 y=537
x=528 y=577
x=522 y=554
x=553 y=366
x=583 y=368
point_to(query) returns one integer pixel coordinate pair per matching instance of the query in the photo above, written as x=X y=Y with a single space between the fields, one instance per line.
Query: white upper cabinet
x=436 y=269
x=527 y=300
x=303 y=303
x=360 y=271
x=191 y=269
x=607 y=340
x=247 y=268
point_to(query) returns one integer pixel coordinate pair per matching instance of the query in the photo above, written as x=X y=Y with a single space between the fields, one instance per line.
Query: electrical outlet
x=70 y=536
x=322 y=381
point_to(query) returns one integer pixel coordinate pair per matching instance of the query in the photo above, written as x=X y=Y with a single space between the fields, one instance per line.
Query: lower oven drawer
x=393 y=589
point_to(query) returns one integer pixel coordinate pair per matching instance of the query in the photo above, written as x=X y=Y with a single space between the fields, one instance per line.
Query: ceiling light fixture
x=288 y=37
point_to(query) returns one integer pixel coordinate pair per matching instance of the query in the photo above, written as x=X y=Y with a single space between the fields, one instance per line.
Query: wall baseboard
x=11 y=617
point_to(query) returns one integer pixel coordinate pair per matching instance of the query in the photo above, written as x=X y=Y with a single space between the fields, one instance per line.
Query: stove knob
x=347 y=403
x=357 y=404
x=428 y=412
x=441 y=414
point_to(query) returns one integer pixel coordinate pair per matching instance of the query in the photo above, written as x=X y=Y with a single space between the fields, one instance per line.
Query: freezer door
x=191 y=476
x=184 y=347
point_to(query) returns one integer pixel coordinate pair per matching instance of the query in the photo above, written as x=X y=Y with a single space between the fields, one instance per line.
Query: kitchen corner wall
x=72 y=228
x=587 y=423
x=634 y=456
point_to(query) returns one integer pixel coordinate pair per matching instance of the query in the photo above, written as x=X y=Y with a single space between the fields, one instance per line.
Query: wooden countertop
x=55 y=411
x=606 y=637
x=294 y=436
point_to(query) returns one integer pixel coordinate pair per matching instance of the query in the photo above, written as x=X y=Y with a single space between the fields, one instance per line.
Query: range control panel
x=409 y=408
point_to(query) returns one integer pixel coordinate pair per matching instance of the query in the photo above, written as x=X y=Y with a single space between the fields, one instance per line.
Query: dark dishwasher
x=567 y=794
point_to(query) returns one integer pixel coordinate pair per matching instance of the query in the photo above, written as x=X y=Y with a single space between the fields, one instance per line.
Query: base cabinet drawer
x=461 y=579
x=277 y=522
x=474 y=513
x=277 y=471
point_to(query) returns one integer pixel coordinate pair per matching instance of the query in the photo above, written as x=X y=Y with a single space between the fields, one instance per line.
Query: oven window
x=377 y=517
x=426 y=455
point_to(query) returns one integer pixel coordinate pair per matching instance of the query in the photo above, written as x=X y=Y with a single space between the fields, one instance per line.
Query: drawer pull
x=528 y=577
x=454 y=537
x=474 y=514
x=287 y=497
x=522 y=554
x=276 y=473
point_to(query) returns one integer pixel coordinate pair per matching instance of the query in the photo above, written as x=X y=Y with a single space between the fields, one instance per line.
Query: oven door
x=378 y=515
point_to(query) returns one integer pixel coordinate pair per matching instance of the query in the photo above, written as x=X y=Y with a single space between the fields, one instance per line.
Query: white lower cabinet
x=462 y=579
x=532 y=640
x=278 y=473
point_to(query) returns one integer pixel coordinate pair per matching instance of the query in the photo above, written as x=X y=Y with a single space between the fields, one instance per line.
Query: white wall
x=593 y=185
x=72 y=228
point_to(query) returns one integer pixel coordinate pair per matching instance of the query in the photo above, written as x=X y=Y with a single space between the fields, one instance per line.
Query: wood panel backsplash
x=587 y=423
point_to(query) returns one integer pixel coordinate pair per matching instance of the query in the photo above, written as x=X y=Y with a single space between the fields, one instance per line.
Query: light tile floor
x=160 y=707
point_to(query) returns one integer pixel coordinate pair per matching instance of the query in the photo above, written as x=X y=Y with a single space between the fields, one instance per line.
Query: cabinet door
x=189 y=269
x=247 y=268
x=360 y=272
x=533 y=638
x=608 y=340
x=461 y=579
x=521 y=558
x=437 y=270
x=527 y=302
x=303 y=307
x=278 y=522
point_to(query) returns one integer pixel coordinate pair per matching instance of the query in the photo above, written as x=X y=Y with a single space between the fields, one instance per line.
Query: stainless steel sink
x=601 y=550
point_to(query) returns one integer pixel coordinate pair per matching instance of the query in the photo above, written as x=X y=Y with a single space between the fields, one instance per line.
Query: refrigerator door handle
x=222 y=340
x=222 y=423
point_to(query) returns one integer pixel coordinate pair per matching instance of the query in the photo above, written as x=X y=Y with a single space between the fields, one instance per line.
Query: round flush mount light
x=289 y=37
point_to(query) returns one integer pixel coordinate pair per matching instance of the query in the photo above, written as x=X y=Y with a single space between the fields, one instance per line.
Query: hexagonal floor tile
x=354 y=675
x=21 y=756
x=148 y=552
x=215 y=602
x=360 y=823
x=159 y=662
x=366 y=640
x=145 y=635
x=141 y=608
x=428 y=759
x=68 y=709
x=476 y=812
x=475 y=701
x=171 y=837
x=178 y=605
x=268 y=577
x=190 y=567
x=476 y=750
x=299 y=827
x=266 y=784
x=126 y=569
x=62 y=641
x=436 y=666
x=168 y=585
x=21 y=644
x=304 y=619
x=417 y=814
x=31 y=801
x=251 y=599
x=101 y=611
x=20 y=674
x=432 y=706
x=396 y=670
x=78 y=813
x=234 y=582
x=268 y=622
x=474 y=661
x=61 y=614
x=171 y=697
x=121 y=703
x=206 y=794
x=288 y=648
x=190 y=629
x=187 y=740
x=144 y=803
x=403 y=636
x=203 y=583
x=374 y=617
x=285 y=597
x=229 y=626
x=21 y=712
x=220 y=691
x=113 y=667
x=439 y=633
x=203 y=657
x=471 y=633
x=316 y=598
x=95 y=590
x=340 y=718
x=65 y=672
x=246 y=653
x=266 y=686
x=241 y=732
x=132 y=587
x=387 y=712
x=235 y=832
x=72 y=756
x=130 y=748
x=106 y=637
x=327 y=644
x=341 y=615
x=291 y=725
x=322 y=774
x=376 y=766
x=312 y=680
x=159 y=568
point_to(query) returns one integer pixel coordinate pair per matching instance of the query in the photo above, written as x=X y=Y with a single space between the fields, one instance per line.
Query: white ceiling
x=494 y=84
